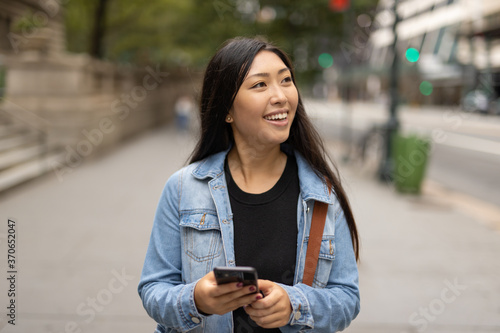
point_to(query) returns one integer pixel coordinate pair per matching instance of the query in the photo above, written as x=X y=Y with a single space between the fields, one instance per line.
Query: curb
x=484 y=212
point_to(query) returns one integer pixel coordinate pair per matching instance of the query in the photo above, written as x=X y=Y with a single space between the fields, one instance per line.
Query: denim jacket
x=193 y=233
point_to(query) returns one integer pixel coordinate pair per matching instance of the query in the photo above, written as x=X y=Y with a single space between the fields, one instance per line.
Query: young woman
x=247 y=199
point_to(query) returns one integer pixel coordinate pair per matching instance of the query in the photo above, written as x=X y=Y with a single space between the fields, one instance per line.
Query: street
x=425 y=266
x=465 y=147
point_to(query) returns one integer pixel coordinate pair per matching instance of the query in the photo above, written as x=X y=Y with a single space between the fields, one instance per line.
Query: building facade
x=57 y=108
x=458 y=43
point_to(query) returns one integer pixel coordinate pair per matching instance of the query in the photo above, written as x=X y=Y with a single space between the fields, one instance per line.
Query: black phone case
x=247 y=275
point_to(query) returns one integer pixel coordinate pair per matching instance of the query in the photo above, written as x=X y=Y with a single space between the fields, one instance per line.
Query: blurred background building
x=451 y=51
x=77 y=77
x=58 y=108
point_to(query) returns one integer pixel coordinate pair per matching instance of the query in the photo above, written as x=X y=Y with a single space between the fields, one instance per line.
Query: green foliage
x=187 y=32
x=26 y=23
x=79 y=20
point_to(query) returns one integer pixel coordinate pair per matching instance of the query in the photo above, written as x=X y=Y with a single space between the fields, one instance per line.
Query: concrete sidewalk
x=425 y=266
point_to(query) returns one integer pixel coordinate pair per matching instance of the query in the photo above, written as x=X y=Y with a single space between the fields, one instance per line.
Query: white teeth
x=278 y=116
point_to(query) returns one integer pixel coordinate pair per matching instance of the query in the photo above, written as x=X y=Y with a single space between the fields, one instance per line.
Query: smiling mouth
x=277 y=116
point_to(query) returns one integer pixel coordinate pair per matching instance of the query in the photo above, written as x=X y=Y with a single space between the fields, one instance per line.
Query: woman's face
x=265 y=105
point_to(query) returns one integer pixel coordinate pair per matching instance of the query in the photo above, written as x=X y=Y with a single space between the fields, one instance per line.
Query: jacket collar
x=312 y=186
x=211 y=166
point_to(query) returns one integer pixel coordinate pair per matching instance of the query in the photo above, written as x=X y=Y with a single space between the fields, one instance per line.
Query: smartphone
x=247 y=275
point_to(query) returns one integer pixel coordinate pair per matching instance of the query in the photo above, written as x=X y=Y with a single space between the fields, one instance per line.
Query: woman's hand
x=272 y=311
x=211 y=298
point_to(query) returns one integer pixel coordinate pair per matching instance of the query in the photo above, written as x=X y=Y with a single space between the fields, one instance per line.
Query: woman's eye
x=259 y=85
x=287 y=79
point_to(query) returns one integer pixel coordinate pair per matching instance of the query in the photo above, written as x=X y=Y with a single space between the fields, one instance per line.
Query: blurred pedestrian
x=184 y=108
x=247 y=199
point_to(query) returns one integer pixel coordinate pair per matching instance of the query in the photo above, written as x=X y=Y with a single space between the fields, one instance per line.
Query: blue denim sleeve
x=168 y=300
x=332 y=308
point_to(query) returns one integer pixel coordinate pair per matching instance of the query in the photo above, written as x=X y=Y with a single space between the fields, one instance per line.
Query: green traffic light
x=325 y=60
x=426 y=88
x=412 y=54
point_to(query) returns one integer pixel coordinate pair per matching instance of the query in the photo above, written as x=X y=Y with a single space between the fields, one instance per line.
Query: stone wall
x=58 y=109
x=73 y=96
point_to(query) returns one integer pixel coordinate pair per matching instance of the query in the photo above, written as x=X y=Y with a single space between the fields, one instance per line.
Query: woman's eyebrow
x=267 y=74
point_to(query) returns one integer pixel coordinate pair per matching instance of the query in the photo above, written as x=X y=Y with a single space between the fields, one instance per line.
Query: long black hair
x=223 y=77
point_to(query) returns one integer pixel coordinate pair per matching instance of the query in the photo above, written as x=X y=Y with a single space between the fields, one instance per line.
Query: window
x=429 y=44
x=439 y=39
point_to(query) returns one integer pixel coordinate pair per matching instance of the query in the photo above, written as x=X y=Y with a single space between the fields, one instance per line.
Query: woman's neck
x=256 y=171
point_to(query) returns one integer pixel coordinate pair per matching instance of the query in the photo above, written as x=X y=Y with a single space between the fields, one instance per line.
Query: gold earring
x=228 y=118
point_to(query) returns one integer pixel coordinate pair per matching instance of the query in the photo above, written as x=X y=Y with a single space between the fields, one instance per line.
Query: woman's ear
x=229 y=118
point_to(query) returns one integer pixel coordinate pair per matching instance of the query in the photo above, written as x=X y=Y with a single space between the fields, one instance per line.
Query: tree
x=187 y=32
x=96 y=42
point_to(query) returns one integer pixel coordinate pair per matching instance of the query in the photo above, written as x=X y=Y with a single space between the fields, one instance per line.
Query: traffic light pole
x=348 y=23
x=386 y=169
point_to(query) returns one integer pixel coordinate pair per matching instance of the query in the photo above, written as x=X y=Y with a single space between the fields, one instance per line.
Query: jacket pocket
x=325 y=261
x=202 y=239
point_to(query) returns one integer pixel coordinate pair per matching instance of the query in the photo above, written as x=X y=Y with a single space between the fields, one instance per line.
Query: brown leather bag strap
x=315 y=235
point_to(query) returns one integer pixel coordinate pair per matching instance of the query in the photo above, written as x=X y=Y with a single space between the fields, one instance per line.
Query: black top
x=265 y=233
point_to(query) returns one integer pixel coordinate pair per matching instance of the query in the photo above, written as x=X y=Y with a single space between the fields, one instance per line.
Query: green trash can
x=410 y=156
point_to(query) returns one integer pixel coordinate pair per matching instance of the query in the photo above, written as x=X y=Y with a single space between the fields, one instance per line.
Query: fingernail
x=258 y=297
x=252 y=289
x=239 y=284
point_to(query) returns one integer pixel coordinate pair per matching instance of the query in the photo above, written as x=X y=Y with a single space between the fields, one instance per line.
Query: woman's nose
x=278 y=96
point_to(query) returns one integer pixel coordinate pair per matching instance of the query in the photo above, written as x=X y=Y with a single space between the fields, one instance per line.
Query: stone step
x=28 y=170
x=19 y=155
x=17 y=140
x=13 y=129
